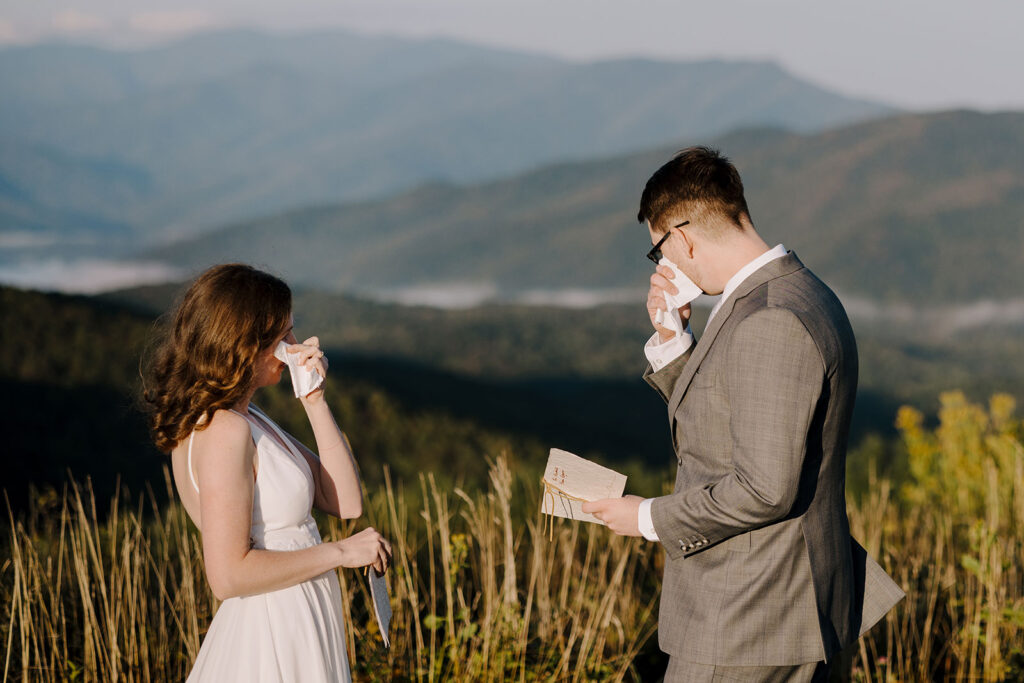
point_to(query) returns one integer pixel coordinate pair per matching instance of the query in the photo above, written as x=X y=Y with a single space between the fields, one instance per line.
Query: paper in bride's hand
x=304 y=381
x=569 y=480
x=381 y=604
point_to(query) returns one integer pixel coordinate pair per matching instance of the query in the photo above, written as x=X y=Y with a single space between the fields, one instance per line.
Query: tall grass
x=953 y=536
x=481 y=593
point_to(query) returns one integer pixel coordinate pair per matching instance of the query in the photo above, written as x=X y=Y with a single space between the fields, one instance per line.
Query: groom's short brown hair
x=697 y=181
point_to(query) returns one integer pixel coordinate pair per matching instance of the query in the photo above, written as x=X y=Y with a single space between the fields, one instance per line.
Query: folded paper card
x=688 y=291
x=569 y=480
x=381 y=604
x=304 y=381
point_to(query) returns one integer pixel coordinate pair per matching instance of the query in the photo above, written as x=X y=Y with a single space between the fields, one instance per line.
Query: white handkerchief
x=304 y=381
x=688 y=291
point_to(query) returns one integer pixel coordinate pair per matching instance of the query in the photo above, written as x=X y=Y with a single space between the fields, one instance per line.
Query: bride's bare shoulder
x=227 y=431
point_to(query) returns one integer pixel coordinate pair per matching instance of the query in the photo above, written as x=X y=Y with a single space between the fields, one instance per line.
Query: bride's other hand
x=367 y=547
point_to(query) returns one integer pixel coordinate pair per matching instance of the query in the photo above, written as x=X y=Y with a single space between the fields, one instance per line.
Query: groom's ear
x=687 y=238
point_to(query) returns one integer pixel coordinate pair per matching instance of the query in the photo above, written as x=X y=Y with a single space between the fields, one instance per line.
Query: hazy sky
x=914 y=53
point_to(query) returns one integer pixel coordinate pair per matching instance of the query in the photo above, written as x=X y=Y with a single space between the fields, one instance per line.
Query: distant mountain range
x=918 y=209
x=100 y=144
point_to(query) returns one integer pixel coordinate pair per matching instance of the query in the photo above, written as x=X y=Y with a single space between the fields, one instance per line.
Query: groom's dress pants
x=680 y=671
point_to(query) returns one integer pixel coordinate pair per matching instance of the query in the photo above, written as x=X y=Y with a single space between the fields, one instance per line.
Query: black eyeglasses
x=655 y=253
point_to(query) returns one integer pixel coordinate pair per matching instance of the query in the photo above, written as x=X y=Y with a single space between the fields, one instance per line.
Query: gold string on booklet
x=564 y=497
x=587 y=480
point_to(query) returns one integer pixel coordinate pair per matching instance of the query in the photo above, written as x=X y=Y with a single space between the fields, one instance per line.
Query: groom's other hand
x=619 y=514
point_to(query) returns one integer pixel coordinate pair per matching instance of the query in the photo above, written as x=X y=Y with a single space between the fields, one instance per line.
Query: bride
x=250 y=487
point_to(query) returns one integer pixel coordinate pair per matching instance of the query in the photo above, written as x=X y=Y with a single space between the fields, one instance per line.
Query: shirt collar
x=778 y=251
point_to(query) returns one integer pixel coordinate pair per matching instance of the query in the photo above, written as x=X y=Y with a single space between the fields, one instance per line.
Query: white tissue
x=688 y=291
x=304 y=381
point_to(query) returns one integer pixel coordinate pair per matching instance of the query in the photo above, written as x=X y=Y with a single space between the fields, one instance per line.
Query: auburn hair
x=205 y=355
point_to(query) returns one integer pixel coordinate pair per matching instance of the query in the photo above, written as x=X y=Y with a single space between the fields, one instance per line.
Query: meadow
x=481 y=592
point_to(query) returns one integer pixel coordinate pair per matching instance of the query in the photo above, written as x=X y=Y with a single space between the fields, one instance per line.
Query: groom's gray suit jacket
x=761 y=568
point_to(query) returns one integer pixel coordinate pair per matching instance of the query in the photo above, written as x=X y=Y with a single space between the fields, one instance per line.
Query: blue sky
x=918 y=54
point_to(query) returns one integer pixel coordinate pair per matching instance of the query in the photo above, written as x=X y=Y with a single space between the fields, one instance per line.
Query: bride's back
x=186 y=492
x=186 y=454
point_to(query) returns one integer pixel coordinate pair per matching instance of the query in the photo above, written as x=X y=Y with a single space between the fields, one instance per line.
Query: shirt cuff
x=644 y=520
x=659 y=355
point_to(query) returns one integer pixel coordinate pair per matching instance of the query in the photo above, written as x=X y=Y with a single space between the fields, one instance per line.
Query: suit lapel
x=770 y=271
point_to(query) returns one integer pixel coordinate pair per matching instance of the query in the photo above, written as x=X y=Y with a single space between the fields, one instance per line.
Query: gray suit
x=761 y=568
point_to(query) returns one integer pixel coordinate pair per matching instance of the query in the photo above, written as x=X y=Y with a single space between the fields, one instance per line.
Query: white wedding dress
x=295 y=634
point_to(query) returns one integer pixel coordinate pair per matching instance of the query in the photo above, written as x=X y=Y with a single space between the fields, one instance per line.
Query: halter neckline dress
x=295 y=634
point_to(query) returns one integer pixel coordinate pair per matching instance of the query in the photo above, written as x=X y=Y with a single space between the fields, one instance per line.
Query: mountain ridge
x=919 y=208
x=229 y=126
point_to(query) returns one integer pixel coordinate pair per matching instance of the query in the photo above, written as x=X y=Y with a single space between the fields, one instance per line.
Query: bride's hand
x=367 y=547
x=312 y=358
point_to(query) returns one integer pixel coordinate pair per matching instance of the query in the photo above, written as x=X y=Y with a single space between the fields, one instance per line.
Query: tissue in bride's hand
x=304 y=381
x=688 y=291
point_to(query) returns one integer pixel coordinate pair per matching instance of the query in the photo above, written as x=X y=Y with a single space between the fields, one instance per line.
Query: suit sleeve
x=664 y=380
x=773 y=375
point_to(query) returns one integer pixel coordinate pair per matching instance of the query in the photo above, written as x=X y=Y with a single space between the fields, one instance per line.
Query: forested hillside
x=422 y=389
x=69 y=375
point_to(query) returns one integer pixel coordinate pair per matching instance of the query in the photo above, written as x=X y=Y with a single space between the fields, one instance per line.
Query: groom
x=762 y=580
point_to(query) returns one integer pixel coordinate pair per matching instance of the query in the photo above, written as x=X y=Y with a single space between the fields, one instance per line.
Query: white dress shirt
x=660 y=355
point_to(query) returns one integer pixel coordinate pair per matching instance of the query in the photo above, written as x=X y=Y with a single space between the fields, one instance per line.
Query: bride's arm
x=338 y=491
x=334 y=470
x=223 y=455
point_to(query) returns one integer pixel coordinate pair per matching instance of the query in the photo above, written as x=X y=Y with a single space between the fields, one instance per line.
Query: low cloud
x=450 y=295
x=940 y=320
x=87 y=276
x=172 y=21
x=8 y=34
x=579 y=298
x=74 y=21
x=26 y=239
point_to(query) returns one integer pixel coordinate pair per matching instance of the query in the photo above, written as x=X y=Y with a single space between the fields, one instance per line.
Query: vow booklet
x=569 y=480
x=381 y=604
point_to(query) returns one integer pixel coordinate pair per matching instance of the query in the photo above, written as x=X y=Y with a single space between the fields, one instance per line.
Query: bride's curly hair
x=205 y=358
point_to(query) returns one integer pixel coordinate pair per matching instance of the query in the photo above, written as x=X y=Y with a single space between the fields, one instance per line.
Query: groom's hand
x=621 y=515
x=661 y=283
